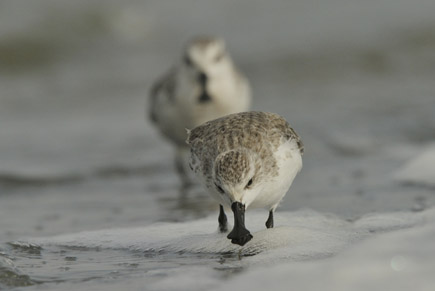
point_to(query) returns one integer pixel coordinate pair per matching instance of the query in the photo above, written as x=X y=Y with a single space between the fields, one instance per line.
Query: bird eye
x=249 y=184
x=187 y=61
x=219 y=57
x=219 y=188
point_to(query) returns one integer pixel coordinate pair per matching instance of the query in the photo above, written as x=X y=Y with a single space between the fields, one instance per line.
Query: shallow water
x=88 y=188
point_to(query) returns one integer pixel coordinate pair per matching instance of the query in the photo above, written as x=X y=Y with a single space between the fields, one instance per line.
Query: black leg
x=223 y=224
x=269 y=222
x=239 y=235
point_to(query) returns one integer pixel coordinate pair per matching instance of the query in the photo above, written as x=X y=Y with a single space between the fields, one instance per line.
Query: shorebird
x=246 y=159
x=203 y=85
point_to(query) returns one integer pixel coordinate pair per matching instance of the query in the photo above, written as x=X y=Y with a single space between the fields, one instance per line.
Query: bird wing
x=275 y=127
x=163 y=88
x=282 y=128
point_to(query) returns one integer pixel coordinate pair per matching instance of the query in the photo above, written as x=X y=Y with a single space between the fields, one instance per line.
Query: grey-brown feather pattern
x=165 y=86
x=260 y=132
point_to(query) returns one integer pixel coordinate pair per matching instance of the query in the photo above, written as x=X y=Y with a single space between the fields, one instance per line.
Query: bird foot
x=239 y=236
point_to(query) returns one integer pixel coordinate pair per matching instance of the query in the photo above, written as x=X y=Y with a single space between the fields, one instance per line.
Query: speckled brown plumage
x=258 y=132
x=228 y=166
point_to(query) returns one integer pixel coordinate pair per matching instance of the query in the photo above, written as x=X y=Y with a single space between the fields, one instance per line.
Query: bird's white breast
x=289 y=162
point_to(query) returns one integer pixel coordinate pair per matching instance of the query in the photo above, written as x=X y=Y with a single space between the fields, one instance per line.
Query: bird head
x=206 y=57
x=234 y=176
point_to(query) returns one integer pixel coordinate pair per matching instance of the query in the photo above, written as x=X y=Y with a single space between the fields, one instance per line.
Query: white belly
x=290 y=163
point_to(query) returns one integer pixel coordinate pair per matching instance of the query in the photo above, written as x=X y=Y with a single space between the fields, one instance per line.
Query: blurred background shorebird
x=204 y=85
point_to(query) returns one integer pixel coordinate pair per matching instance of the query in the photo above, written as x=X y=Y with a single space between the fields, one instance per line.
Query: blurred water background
x=354 y=78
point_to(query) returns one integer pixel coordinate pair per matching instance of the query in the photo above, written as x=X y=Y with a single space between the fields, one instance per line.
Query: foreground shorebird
x=204 y=85
x=246 y=159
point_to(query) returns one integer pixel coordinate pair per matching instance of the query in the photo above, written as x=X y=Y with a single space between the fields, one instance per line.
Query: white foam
x=306 y=251
x=400 y=260
x=298 y=235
